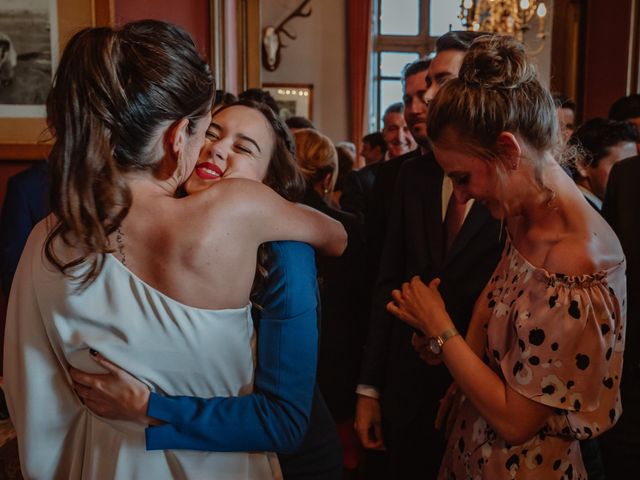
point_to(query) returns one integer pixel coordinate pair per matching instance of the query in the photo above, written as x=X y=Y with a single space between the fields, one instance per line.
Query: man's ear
x=177 y=136
x=582 y=168
x=509 y=150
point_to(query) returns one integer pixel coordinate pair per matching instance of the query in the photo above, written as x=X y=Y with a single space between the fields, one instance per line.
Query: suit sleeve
x=15 y=225
x=276 y=415
x=353 y=196
x=609 y=206
x=389 y=277
x=376 y=224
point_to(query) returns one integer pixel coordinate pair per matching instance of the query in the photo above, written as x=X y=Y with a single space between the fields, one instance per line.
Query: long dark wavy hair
x=114 y=90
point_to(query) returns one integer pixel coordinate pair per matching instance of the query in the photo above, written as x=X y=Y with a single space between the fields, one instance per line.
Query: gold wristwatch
x=436 y=343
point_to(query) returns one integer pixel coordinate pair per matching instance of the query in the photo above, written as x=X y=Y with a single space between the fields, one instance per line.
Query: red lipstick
x=208 y=171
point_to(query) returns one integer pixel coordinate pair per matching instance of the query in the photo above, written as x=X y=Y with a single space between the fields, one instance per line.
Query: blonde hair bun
x=496 y=61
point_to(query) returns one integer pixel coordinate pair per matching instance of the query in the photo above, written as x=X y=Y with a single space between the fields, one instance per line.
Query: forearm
x=273 y=418
x=328 y=236
x=513 y=417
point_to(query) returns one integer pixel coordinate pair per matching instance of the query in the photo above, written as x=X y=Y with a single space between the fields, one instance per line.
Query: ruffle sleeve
x=566 y=340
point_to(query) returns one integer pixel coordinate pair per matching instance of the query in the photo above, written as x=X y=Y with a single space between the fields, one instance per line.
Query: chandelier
x=512 y=17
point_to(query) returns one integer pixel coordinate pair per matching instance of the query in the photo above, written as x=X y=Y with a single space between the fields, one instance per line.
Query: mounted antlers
x=271 y=42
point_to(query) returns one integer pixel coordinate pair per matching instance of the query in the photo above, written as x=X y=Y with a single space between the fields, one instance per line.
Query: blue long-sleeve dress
x=284 y=413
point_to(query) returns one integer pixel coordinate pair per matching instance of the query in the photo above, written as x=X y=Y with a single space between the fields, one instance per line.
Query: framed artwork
x=32 y=36
x=294 y=99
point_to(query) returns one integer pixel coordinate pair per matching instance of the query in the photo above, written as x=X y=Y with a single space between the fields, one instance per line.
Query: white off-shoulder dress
x=174 y=348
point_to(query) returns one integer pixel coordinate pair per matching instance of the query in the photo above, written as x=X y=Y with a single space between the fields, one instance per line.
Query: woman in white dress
x=124 y=268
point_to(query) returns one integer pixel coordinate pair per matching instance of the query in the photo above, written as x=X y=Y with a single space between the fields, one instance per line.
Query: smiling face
x=240 y=143
x=472 y=177
x=397 y=135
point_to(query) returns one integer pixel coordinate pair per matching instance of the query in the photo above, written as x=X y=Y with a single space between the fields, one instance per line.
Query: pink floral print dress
x=557 y=340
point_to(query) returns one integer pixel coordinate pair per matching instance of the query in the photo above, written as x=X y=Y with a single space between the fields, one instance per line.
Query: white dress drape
x=174 y=348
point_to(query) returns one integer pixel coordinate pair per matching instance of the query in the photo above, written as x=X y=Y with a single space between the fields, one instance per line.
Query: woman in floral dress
x=540 y=368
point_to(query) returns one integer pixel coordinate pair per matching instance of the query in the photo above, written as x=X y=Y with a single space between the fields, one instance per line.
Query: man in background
x=601 y=144
x=395 y=131
x=432 y=235
x=359 y=183
x=566 y=109
x=374 y=148
x=627 y=109
x=415 y=114
x=621 y=444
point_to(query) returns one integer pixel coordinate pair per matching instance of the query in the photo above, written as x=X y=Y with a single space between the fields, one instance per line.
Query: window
x=403 y=31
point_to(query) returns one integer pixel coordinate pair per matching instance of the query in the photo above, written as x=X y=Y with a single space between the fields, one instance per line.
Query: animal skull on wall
x=271 y=42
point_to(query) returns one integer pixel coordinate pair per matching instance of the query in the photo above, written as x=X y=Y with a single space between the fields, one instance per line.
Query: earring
x=326 y=190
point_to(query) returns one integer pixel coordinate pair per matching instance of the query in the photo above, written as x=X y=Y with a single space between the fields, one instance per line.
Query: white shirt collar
x=591 y=197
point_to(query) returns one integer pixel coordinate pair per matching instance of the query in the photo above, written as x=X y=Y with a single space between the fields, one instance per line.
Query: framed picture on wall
x=32 y=36
x=294 y=99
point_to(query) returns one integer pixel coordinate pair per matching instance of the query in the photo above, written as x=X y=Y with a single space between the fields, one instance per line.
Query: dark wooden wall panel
x=192 y=15
x=606 y=58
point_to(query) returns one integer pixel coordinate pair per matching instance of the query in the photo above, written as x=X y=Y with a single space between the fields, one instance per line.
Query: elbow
x=340 y=241
x=514 y=439
x=516 y=435
x=291 y=439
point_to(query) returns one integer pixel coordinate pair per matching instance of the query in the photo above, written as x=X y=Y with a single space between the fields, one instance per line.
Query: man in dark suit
x=398 y=393
x=356 y=193
x=26 y=203
x=602 y=143
x=620 y=445
x=415 y=114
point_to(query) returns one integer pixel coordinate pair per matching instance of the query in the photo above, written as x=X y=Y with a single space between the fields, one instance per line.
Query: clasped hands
x=422 y=307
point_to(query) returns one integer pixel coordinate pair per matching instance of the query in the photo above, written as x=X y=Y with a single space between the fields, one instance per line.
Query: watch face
x=434 y=347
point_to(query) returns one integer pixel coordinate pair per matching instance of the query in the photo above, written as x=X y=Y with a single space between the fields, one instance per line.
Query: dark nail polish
x=93 y=352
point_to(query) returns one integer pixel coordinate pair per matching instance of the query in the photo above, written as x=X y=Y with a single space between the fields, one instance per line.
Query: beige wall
x=317 y=56
x=542 y=60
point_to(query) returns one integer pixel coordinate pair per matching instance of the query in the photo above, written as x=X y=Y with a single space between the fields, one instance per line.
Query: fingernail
x=93 y=352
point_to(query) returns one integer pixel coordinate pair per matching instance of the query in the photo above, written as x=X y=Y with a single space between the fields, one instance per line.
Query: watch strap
x=447 y=335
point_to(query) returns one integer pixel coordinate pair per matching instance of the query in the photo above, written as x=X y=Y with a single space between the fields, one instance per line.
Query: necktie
x=453 y=220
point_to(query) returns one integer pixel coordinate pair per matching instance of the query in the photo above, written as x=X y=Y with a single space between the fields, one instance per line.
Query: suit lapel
x=432 y=210
x=476 y=218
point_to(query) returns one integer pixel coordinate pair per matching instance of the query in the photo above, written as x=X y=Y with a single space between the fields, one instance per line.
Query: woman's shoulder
x=233 y=193
x=234 y=203
x=584 y=253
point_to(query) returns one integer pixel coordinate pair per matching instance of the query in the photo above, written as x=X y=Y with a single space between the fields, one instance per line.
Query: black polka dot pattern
x=536 y=336
x=556 y=339
x=582 y=361
x=574 y=309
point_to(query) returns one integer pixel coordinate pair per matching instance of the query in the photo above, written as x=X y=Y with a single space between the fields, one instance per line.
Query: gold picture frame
x=294 y=99
x=26 y=138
